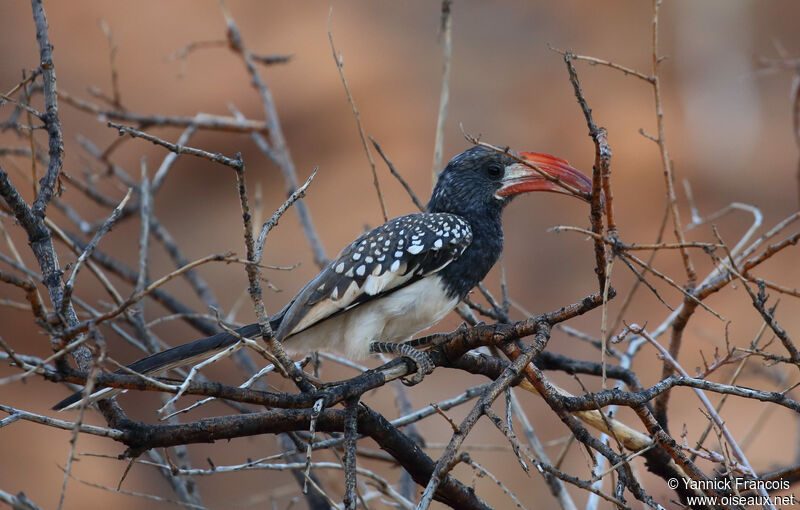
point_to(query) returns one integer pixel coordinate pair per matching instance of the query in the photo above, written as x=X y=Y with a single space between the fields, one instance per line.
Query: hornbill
x=403 y=276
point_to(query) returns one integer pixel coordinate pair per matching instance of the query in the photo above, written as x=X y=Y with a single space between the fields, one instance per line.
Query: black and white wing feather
x=379 y=262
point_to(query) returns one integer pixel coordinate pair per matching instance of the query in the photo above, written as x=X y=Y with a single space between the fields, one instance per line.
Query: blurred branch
x=116 y=97
x=791 y=64
x=446 y=34
x=18 y=502
x=277 y=150
x=201 y=120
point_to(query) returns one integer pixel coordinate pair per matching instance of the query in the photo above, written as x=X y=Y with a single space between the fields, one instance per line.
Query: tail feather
x=191 y=353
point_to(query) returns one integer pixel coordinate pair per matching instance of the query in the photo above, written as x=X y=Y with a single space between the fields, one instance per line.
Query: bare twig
x=490 y=394
x=31 y=140
x=235 y=163
x=350 y=436
x=634 y=246
x=87 y=390
x=18 y=502
x=483 y=471
x=51 y=119
x=397 y=176
x=666 y=162
x=116 y=97
x=759 y=302
x=599 y=61
x=201 y=120
x=135 y=297
x=740 y=457
x=446 y=33
x=87 y=251
x=170 y=158
x=62 y=424
x=337 y=57
x=272 y=222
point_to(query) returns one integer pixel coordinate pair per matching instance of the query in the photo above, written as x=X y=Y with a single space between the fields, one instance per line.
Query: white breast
x=394 y=317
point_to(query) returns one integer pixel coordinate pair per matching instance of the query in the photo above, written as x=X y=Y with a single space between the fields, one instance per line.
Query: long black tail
x=191 y=353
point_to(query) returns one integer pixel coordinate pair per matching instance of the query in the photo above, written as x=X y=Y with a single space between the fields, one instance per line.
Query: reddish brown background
x=728 y=128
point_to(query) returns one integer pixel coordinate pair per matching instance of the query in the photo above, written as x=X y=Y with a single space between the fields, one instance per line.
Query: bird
x=401 y=277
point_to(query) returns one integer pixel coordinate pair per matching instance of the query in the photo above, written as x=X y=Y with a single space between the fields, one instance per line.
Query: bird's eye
x=495 y=171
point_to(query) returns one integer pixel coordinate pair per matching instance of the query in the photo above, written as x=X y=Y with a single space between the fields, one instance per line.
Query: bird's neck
x=473 y=265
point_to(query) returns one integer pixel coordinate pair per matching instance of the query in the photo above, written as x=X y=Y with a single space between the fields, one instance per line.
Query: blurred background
x=728 y=129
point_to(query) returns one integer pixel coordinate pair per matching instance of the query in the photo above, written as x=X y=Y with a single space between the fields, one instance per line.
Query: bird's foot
x=421 y=359
x=465 y=325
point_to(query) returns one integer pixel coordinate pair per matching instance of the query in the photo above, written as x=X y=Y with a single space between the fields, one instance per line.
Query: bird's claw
x=464 y=326
x=413 y=380
x=422 y=360
x=424 y=365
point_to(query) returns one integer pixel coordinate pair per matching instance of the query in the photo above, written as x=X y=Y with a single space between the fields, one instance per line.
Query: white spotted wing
x=380 y=261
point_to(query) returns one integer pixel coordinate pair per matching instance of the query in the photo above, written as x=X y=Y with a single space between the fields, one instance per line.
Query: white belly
x=395 y=317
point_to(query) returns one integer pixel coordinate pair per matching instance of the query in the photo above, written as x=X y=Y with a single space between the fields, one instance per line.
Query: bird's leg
x=420 y=358
x=427 y=341
x=439 y=338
